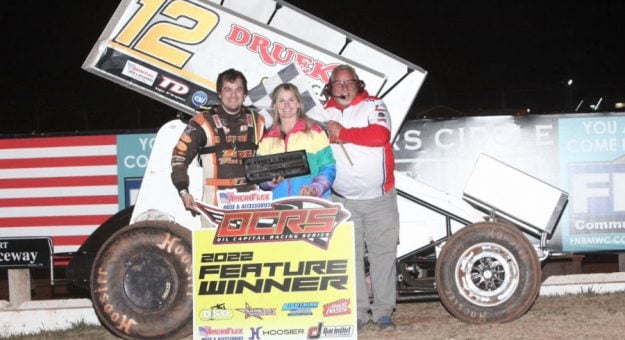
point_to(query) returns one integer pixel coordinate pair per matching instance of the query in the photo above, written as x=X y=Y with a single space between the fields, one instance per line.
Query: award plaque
x=286 y=164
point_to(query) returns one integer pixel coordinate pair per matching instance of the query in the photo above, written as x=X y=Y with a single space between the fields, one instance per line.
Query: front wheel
x=141 y=281
x=488 y=273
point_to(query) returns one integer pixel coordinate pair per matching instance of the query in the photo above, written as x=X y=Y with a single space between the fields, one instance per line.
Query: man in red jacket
x=359 y=127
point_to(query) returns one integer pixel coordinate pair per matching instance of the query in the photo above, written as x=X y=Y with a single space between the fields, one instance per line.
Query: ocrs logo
x=305 y=219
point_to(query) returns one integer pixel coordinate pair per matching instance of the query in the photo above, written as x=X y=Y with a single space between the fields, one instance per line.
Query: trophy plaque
x=286 y=164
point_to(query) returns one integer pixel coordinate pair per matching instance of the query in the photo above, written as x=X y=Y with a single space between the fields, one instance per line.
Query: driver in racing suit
x=222 y=136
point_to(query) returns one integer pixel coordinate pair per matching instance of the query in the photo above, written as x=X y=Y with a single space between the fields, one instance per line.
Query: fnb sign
x=597 y=188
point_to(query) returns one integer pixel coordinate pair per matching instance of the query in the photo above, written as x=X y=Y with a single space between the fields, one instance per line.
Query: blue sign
x=133 y=153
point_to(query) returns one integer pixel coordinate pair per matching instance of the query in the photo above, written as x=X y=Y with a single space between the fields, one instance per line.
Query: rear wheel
x=488 y=273
x=141 y=281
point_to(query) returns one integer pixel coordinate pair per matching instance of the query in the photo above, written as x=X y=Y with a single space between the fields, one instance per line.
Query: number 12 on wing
x=163 y=39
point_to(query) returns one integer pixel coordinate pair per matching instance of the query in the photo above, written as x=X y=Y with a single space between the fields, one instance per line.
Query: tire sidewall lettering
x=459 y=301
x=172 y=245
x=109 y=310
x=126 y=317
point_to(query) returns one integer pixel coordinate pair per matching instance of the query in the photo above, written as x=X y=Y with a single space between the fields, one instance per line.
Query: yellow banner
x=277 y=287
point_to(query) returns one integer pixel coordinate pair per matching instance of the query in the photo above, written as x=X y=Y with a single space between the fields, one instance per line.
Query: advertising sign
x=133 y=152
x=286 y=271
x=581 y=154
x=592 y=164
x=35 y=252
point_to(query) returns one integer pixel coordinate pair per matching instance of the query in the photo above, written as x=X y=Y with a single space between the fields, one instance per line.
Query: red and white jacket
x=366 y=143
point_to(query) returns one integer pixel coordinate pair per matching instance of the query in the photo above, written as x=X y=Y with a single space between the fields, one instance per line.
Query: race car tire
x=488 y=273
x=141 y=281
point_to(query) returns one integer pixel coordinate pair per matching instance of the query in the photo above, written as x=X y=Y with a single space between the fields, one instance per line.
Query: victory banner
x=274 y=269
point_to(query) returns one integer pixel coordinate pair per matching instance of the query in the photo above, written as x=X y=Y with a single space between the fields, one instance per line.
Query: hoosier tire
x=488 y=273
x=141 y=281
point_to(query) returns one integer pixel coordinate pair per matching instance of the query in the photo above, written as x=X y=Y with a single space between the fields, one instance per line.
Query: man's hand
x=189 y=202
x=270 y=185
x=334 y=130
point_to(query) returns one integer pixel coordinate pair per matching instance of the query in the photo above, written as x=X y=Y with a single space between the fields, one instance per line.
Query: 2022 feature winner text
x=237 y=278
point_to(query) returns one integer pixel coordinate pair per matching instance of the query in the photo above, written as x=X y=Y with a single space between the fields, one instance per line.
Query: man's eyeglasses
x=345 y=83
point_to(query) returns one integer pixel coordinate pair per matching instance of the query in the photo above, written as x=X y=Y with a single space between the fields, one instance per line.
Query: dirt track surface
x=588 y=316
x=568 y=317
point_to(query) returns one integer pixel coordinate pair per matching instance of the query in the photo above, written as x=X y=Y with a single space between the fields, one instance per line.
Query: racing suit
x=222 y=141
x=365 y=185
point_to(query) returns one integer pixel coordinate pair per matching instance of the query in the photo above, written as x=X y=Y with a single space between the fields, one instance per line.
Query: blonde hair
x=274 y=106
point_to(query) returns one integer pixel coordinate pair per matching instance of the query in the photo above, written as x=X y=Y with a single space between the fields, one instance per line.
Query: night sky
x=481 y=56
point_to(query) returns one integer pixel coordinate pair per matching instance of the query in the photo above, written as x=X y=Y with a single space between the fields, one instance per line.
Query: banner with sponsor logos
x=274 y=269
x=582 y=154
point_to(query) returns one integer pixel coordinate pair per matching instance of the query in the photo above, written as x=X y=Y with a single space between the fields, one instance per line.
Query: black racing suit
x=222 y=140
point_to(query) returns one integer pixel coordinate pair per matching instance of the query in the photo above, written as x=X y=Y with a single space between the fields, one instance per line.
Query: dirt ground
x=587 y=316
